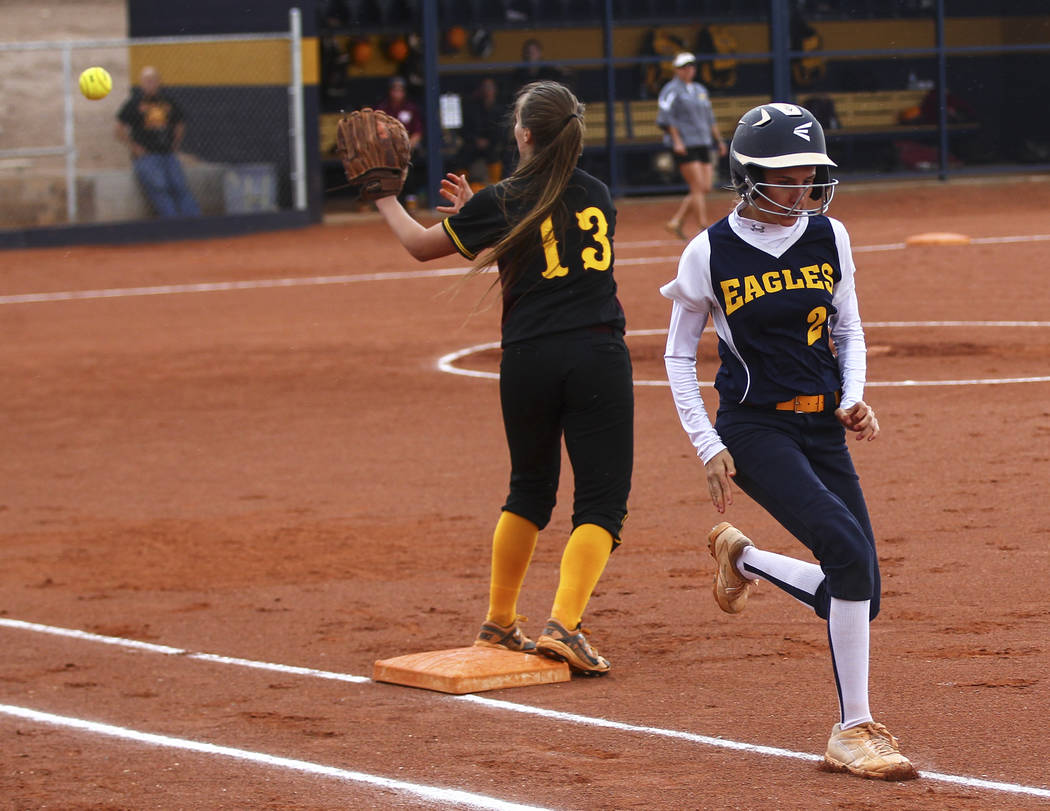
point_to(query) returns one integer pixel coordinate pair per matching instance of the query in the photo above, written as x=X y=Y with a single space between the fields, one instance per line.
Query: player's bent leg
x=775 y=472
x=693 y=173
x=799 y=578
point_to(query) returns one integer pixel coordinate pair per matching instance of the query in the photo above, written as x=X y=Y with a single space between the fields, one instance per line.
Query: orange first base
x=469 y=670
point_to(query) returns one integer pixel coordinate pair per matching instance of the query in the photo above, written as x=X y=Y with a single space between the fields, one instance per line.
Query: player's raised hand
x=456 y=190
x=861 y=419
x=720 y=469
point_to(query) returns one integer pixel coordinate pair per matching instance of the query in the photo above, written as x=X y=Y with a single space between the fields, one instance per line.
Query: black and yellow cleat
x=572 y=648
x=509 y=637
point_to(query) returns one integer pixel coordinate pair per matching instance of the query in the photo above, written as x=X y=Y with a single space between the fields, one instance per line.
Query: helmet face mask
x=780 y=136
x=757 y=193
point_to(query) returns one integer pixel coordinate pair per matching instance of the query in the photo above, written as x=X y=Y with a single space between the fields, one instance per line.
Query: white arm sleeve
x=683 y=337
x=846 y=328
x=693 y=300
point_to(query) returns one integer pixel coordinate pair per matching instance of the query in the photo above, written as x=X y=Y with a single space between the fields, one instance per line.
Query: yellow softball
x=95 y=83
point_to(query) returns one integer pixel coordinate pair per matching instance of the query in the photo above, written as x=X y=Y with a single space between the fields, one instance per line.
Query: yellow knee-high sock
x=512 y=546
x=582 y=563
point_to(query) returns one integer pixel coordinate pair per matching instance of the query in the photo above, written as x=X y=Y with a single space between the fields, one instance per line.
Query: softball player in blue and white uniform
x=776 y=277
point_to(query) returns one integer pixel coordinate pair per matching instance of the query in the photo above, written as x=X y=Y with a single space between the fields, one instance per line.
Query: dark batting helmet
x=778 y=136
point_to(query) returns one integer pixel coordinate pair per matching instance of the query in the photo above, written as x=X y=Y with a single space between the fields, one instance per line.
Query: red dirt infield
x=278 y=473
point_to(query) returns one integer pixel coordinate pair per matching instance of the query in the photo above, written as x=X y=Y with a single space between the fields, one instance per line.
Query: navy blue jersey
x=777 y=309
x=568 y=283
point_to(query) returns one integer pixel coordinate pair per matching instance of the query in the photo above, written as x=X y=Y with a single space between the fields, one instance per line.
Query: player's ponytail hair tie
x=569 y=118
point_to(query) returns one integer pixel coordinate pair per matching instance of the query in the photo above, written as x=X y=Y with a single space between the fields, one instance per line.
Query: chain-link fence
x=239 y=148
x=911 y=88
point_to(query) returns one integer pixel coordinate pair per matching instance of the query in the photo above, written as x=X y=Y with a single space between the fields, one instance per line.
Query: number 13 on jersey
x=593 y=223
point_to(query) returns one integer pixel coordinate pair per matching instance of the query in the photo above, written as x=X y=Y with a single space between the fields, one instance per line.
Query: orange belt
x=805 y=403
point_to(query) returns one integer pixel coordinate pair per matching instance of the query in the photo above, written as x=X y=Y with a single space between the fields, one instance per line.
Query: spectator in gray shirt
x=688 y=121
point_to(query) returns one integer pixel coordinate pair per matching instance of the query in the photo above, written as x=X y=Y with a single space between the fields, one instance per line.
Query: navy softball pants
x=798 y=468
x=577 y=384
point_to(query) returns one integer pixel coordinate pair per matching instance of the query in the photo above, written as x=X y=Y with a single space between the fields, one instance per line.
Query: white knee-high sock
x=787 y=573
x=848 y=636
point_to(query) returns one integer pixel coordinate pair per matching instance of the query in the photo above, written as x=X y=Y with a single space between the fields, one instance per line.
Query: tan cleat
x=726 y=543
x=867 y=750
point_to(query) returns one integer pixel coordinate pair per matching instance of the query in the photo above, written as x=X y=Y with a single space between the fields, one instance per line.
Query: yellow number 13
x=592 y=221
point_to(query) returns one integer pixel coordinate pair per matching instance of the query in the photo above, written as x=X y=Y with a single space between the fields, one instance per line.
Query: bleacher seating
x=860 y=115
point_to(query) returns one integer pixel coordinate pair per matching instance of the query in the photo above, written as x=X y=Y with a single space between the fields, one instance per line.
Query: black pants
x=798 y=468
x=578 y=384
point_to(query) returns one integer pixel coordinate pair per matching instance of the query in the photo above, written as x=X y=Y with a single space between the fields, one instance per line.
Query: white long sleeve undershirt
x=695 y=302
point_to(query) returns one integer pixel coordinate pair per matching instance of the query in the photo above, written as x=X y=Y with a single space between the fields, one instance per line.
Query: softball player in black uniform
x=565 y=369
x=776 y=277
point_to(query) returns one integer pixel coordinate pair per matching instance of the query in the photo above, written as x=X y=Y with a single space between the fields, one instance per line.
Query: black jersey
x=152 y=120
x=777 y=309
x=569 y=282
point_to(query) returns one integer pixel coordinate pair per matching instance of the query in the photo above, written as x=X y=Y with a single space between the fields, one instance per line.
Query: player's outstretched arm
x=422 y=242
x=860 y=418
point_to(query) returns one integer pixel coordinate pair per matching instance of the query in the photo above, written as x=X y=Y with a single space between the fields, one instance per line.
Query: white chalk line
x=447 y=363
x=498 y=704
x=262 y=284
x=430 y=793
x=313 y=281
x=217 y=287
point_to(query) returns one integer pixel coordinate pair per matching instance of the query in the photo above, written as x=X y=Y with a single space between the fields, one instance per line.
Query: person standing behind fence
x=484 y=134
x=533 y=71
x=396 y=103
x=152 y=126
x=688 y=121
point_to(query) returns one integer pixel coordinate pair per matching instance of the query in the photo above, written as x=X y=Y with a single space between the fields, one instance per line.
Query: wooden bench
x=871 y=113
x=636 y=120
x=859 y=113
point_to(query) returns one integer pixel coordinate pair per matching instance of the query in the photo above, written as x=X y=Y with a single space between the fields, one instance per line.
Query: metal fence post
x=431 y=93
x=942 y=94
x=610 y=98
x=295 y=93
x=780 y=44
x=71 y=149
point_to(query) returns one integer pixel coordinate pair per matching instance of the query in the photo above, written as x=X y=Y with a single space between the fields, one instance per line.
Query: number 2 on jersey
x=591 y=219
x=816 y=318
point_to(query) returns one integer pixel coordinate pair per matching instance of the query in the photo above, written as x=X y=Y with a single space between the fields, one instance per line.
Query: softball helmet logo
x=769 y=137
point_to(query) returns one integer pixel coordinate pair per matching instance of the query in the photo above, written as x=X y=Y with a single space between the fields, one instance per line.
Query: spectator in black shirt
x=152 y=126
